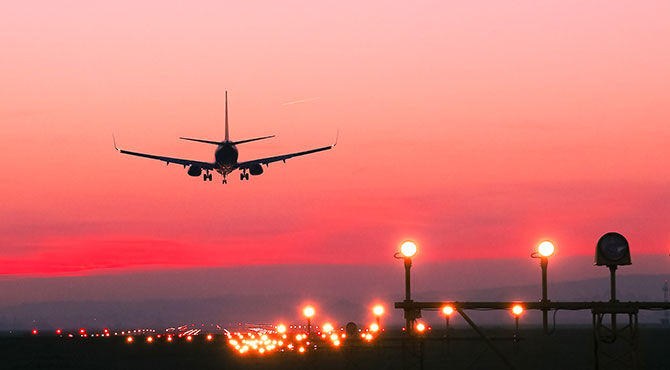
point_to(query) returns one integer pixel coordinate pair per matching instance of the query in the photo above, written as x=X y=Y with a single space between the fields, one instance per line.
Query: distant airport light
x=281 y=328
x=374 y=327
x=378 y=310
x=209 y=337
x=447 y=310
x=408 y=248
x=517 y=310
x=34 y=331
x=420 y=327
x=546 y=248
x=129 y=339
x=169 y=338
x=308 y=311
x=82 y=331
x=58 y=331
x=189 y=338
x=328 y=327
x=150 y=339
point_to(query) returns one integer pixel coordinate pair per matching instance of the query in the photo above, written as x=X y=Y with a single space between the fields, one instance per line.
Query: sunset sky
x=476 y=128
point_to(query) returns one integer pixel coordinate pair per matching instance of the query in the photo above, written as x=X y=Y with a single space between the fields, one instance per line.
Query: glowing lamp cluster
x=517 y=310
x=408 y=248
x=378 y=310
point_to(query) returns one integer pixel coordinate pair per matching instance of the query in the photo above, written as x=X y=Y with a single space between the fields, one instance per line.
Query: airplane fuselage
x=225 y=157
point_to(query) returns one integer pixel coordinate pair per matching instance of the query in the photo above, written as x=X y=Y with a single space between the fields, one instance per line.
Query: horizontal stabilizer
x=202 y=141
x=254 y=139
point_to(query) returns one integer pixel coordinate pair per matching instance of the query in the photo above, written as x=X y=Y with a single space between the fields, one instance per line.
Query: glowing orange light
x=209 y=337
x=301 y=349
x=281 y=328
x=374 y=327
x=129 y=339
x=150 y=339
x=189 y=338
x=447 y=310
x=378 y=310
x=308 y=311
x=408 y=248
x=336 y=343
x=420 y=327
x=517 y=309
x=328 y=327
x=546 y=248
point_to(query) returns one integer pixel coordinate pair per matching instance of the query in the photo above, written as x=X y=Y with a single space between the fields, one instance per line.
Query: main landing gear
x=244 y=176
x=207 y=176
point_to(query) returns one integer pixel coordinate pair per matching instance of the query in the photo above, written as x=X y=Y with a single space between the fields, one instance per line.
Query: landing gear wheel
x=241 y=177
x=204 y=177
x=246 y=176
x=209 y=176
x=224 y=181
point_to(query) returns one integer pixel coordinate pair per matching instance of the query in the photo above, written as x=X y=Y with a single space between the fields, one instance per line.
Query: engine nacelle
x=256 y=170
x=194 y=171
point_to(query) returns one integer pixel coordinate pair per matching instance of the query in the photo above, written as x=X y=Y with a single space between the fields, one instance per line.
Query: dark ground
x=567 y=348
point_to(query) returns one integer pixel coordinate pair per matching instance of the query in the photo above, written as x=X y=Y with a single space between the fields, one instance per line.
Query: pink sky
x=476 y=129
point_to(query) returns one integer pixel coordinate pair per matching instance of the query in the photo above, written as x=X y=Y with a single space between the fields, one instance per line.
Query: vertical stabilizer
x=227 y=137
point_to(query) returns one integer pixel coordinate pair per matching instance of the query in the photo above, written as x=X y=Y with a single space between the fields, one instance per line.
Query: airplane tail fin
x=227 y=136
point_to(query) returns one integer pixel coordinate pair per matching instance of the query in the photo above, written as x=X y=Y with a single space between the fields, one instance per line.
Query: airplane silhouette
x=225 y=157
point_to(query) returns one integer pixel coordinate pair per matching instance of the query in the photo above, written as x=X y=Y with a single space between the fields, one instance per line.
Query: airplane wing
x=284 y=157
x=168 y=160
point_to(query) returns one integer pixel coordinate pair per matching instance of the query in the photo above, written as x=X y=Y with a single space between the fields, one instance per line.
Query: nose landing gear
x=244 y=176
x=207 y=176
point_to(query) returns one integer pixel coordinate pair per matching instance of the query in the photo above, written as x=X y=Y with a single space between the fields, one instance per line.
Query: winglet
x=114 y=140
x=337 y=135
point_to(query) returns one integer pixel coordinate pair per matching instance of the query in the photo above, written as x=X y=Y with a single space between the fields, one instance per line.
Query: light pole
x=407 y=251
x=309 y=312
x=517 y=310
x=447 y=311
x=378 y=310
x=544 y=250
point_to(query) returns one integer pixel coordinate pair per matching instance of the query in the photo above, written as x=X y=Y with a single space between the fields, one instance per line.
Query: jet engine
x=194 y=171
x=256 y=170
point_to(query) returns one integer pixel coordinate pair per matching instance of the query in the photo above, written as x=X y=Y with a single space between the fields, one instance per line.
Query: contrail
x=300 y=101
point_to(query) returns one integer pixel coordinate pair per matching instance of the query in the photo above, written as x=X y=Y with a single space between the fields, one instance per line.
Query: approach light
x=420 y=327
x=517 y=310
x=150 y=339
x=308 y=311
x=209 y=337
x=374 y=327
x=408 y=248
x=327 y=327
x=129 y=339
x=58 y=331
x=34 y=331
x=546 y=248
x=378 y=310
x=447 y=310
x=612 y=250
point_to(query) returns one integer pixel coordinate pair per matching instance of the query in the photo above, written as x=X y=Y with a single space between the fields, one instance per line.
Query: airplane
x=225 y=156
